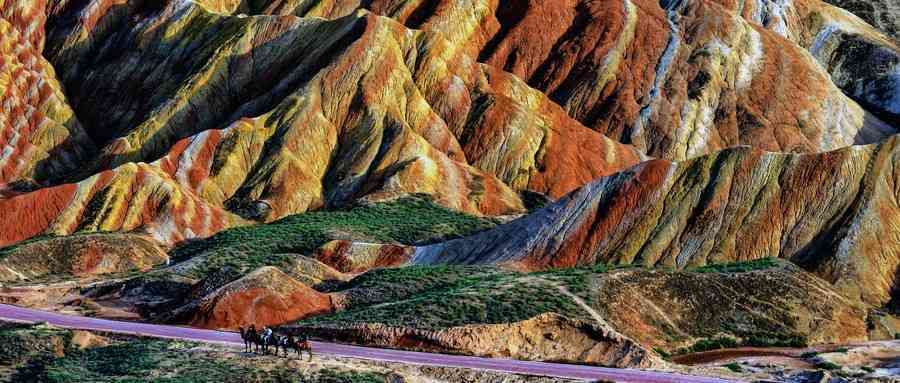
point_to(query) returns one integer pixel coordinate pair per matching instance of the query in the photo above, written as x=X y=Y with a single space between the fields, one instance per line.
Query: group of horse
x=263 y=340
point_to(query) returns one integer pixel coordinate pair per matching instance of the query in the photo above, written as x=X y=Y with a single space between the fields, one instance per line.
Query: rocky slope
x=434 y=101
x=132 y=197
x=258 y=117
x=833 y=213
x=674 y=309
x=264 y=297
x=761 y=304
x=675 y=78
x=226 y=121
x=546 y=337
x=81 y=255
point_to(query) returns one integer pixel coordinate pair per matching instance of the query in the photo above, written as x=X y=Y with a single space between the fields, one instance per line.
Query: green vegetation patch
x=734 y=367
x=825 y=365
x=24 y=342
x=663 y=353
x=435 y=297
x=755 y=339
x=738 y=267
x=768 y=339
x=710 y=344
x=9 y=250
x=142 y=360
x=410 y=220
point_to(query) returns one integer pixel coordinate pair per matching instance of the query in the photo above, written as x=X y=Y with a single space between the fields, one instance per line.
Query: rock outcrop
x=547 y=337
x=356 y=257
x=264 y=297
x=833 y=213
x=81 y=255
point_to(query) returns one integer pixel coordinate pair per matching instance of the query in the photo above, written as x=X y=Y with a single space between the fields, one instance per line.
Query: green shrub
x=734 y=367
x=766 y=339
x=825 y=365
x=665 y=355
x=714 y=344
x=738 y=267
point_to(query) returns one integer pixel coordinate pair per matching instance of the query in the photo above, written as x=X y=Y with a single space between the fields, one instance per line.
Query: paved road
x=18 y=314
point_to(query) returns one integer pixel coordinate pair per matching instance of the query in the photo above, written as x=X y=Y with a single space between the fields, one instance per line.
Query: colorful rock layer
x=180 y=118
x=833 y=213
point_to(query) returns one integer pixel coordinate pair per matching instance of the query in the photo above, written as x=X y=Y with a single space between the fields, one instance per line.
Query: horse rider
x=267 y=333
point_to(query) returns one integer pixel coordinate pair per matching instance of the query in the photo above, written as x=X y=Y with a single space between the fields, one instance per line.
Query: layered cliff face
x=282 y=112
x=862 y=60
x=675 y=78
x=834 y=213
x=261 y=117
x=373 y=95
x=132 y=197
x=40 y=137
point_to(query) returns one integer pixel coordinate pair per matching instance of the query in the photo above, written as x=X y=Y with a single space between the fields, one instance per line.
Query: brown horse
x=298 y=345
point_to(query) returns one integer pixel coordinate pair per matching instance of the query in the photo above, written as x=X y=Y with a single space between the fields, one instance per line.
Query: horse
x=266 y=341
x=298 y=345
x=250 y=338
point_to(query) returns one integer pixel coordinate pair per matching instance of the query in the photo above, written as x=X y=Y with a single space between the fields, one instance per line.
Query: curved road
x=19 y=314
